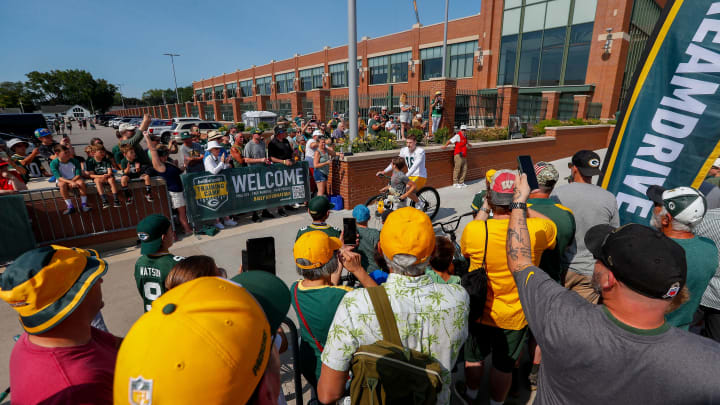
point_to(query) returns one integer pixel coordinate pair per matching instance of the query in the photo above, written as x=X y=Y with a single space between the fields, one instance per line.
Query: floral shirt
x=431 y=318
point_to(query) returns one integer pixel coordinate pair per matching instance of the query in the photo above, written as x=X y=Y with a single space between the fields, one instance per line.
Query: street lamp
x=172 y=60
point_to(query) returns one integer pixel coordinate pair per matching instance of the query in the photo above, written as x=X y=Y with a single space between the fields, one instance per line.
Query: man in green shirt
x=319 y=210
x=152 y=268
x=374 y=125
x=368 y=238
x=130 y=135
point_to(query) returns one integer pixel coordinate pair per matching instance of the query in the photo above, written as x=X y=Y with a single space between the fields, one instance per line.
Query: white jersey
x=414 y=160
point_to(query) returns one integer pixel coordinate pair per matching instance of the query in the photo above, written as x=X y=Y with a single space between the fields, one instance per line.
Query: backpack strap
x=307 y=327
x=485 y=250
x=385 y=315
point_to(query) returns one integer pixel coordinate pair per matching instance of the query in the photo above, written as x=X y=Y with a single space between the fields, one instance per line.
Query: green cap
x=258 y=131
x=270 y=292
x=150 y=231
x=185 y=135
x=320 y=205
x=478 y=200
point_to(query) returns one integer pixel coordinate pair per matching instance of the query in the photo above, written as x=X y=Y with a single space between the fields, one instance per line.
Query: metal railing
x=594 y=111
x=531 y=108
x=475 y=109
x=567 y=108
x=49 y=225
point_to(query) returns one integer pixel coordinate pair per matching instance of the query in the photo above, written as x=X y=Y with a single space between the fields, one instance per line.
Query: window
x=399 y=67
x=461 y=59
x=219 y=92
x=285 y=82
x=338 y=75
x=317 y=77
x=552 y=55
x=378 y=69
x=246 y=88
x=508 y=55
x=263 y=84
x=311 y=79
x=431 y=62
x=226 y=112
x=250 y=106
x=529 y=59
x=194 y=111
x=578 y=53
x=209 y=112
x=231 y=89
x=208 y=93
x=198 y=94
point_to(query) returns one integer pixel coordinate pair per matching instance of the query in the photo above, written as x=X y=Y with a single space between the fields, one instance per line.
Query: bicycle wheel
x=375 y=216
x=431 y=198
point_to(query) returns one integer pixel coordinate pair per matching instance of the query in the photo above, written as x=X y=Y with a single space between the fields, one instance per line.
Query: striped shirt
x=710 y=228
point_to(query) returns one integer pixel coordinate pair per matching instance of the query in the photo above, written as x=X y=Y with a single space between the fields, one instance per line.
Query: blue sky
x=123 y=41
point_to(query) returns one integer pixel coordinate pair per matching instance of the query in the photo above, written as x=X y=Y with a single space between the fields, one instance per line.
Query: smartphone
x=349 y=231
x=261 y=254
x=525 y=165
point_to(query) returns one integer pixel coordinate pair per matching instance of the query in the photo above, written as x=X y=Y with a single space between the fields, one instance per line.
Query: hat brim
x=55 y=313
x=654 y=193
x=501 y=198
x=270 y=292
x=588 y=171
x=149 y=247
x=595 y=238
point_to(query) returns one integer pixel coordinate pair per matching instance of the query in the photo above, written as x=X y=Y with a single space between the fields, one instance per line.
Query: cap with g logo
x=587 y=162
x=150 y=231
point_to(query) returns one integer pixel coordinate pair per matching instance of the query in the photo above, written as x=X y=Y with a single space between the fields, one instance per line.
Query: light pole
x=444 y=51
x=121 y=96
x=172 y=60
x=352 y=70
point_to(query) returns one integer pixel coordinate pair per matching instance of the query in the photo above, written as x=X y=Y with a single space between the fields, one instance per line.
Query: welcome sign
x=244 y=189
x=668 y=134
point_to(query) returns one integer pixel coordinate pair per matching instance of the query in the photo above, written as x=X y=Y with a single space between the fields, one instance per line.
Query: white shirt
x=454 y=139
x=414 y=160
x=214 y=164
x=310 y=152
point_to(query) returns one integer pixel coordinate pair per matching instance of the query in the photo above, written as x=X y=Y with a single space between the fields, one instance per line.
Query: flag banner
x=235 y=191
x=668 y=132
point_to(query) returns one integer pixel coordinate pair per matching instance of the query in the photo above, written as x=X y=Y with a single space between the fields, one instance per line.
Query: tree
x=14 y=93
x=166 y=96
x=70 y=87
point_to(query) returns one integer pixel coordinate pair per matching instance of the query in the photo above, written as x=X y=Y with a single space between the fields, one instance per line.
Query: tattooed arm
x=518 y=238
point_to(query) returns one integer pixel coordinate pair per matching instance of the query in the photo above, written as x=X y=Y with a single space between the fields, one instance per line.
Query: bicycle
x=449 y=227
x=389 y=200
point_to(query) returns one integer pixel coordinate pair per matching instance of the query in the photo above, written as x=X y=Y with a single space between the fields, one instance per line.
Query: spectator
x=46 y=149
x=100 y=169
x=191 y=268
x=214 y=163
x=155 y=140
x=280 y=151
x=675 y=214
x=61 y=358
x=501 y=328
x=218 y=137
x=299 y=119
x=68 y=175
x=191 y=154
x=391 y=126
x=327 y=132
x=9 y=182
x=442 y=269
x=713 y=175
x=460 y=141
x=710 y=301
x=319 y=209
x=320 y=260
x=152 y=268
x=384 y=117
x=310 y=148
x=591 y=205
x=431 y=317
x=624 y=342
x=375 y=125
x=225 y=357
x=418 y=123
x=338 y=132
x=68 y=124
x=362 y=127
x=131 y=135
x=133 y=169
x=405 y=115
x=255 y=154
x=321 y=163
x=479 y=198
x=368 y=238
x=437 y=107
x=21 y=159
x=171 y=174
x=236 y=150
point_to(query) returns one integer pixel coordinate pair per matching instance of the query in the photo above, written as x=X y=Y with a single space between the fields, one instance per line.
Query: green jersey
x=330 y=230
x=371 y=123
x=564 y=220
x=102 y=167
x=150 y=275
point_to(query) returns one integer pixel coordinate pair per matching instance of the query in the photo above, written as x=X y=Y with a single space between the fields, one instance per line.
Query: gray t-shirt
x=590 y=357
x=591 y=205
x=399 y=181
x=254 y=151
x=195 y=150
x=369 y=239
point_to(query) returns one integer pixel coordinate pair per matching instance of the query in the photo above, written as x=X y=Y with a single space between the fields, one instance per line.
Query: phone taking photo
x=525 y=165
x=349 y=231
x=261 y=254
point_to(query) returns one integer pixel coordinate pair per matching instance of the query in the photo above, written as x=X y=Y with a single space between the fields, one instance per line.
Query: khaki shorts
x=177 y=199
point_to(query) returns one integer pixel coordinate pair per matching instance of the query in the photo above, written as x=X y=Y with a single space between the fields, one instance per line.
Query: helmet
x=685 y=204
x=41 y=132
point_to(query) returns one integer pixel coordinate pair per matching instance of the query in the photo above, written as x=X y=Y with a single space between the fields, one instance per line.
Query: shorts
x=319 y=176
x=177 y=199
x=143 y=170
x=504 y=344
x=419 y=182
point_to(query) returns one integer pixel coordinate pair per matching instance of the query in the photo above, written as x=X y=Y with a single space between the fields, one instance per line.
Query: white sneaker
x=230 y=222
x=462 y=185
x=219 y=225
x=296 y=205
x=455 y=185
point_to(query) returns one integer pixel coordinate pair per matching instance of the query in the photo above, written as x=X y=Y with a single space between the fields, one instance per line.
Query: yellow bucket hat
x=408 y=231
x=206 y=341
x=316 y=247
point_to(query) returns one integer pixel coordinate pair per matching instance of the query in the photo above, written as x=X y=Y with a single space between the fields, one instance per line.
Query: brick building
x=534 y=58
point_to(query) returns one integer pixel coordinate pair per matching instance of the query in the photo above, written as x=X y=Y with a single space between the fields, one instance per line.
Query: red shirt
x=63 y=375
x=5 y=185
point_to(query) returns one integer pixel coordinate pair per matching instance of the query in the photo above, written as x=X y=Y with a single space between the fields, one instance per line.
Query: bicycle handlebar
x=455 y=221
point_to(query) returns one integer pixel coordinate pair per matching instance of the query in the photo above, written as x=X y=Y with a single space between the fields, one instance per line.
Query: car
x=158 y=126
x=203 y=126
x=22 y=125
x=104 y=119
x=123 y=120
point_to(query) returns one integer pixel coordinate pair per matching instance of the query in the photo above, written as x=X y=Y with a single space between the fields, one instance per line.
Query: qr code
x=298 y=192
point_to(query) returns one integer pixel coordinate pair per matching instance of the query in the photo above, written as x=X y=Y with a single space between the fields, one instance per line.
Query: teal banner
x=235 y=191
x=667 y=133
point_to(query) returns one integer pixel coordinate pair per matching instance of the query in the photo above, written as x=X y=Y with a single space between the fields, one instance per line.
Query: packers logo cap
x=150 y=231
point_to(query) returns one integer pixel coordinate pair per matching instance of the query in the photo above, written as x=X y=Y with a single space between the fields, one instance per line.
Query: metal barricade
x=295 y=348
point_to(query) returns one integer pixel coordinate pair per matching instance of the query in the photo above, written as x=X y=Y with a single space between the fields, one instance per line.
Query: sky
x=124 y=41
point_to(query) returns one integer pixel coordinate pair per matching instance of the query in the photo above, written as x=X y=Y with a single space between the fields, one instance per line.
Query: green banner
x=668 y=131
x=235 y=191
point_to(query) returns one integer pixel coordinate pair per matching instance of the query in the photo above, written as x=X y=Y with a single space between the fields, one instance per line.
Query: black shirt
x=171 y=175
x=280 y=149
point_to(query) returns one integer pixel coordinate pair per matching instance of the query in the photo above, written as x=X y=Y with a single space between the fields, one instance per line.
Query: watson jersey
x=415 y=162
x=150 y=275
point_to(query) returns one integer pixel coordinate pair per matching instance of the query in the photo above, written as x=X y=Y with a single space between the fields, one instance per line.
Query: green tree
x=12 y=94
x=163 y=96
x=71 y=86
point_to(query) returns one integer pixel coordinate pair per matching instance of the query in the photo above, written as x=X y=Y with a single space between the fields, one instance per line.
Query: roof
x=60 y=108
x=10 y=111
x=259 y=114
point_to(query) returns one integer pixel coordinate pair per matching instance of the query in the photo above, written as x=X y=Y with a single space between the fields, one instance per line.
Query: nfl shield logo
x=140 y=391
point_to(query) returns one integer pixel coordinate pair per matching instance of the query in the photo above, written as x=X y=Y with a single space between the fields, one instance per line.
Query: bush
x=222 y=129
x=417 y=132
x=487 y=134
x=383 y=141
x=263 y=125
x=540 y=126
x=240 y=126
x=441 y=135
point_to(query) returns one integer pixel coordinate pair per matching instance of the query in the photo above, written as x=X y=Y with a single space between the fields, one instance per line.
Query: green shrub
x=487 y=134
x=240 y=126
x=441 y=135
x=263 y=125
x=222 y=129
x=540 y=126
x=417 y=132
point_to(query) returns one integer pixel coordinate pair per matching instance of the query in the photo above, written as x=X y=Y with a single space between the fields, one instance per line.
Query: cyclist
x=415 y=159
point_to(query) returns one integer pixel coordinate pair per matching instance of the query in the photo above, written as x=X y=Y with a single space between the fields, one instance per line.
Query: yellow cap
x=206 y=341
x=316 y=247
x=489 y=174
x=408 y=231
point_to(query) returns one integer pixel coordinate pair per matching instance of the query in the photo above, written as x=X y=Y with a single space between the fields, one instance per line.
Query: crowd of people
x=606 y=313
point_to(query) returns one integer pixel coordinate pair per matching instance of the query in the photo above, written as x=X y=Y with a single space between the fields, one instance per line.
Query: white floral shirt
x=431 y=318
